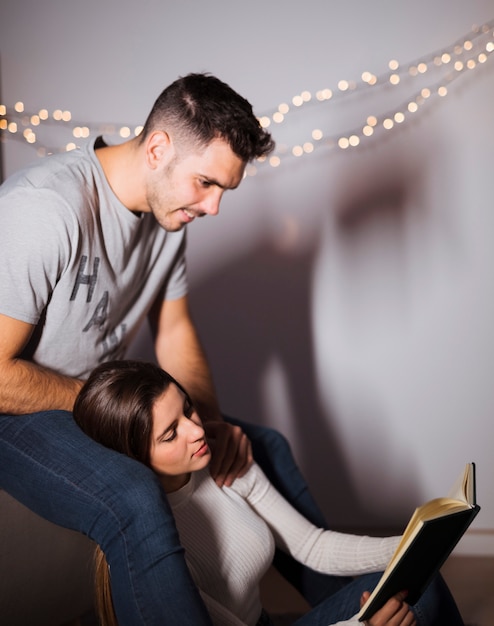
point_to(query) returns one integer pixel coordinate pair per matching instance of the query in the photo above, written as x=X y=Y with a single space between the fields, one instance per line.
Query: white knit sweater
x=229 y=536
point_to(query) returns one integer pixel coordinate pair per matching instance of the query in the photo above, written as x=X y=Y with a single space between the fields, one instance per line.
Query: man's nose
x=211 y=204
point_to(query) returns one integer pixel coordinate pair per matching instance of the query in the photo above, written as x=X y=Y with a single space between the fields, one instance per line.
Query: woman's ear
x=159 y=149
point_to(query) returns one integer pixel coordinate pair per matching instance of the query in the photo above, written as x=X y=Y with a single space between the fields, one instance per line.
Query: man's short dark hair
x=200 y=108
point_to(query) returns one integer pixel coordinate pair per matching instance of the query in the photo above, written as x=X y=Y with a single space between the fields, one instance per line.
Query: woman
x=230 y=533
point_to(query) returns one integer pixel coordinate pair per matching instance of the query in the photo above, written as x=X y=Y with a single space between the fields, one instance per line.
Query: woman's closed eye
x=170 y=434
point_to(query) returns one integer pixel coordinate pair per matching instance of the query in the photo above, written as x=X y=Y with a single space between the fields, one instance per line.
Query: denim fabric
x=52 y=467
x=436 y=607
x=48 y=464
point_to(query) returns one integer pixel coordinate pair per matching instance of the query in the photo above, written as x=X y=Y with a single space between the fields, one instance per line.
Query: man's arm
x=26 y=387
x=179 y=351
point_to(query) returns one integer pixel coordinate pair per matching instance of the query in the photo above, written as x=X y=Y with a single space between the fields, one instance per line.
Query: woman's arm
x=325 y=551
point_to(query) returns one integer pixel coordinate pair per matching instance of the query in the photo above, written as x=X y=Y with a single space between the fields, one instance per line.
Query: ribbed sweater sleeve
x=325 y=551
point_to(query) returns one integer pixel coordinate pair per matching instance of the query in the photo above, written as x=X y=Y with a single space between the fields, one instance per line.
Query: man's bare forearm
x=192 y=371
x=183 y=356
x=26 y=388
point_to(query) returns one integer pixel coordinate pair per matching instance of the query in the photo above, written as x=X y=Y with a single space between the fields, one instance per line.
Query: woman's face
x=178 y=443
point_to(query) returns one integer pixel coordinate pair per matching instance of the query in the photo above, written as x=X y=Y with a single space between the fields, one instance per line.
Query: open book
x=429 y=538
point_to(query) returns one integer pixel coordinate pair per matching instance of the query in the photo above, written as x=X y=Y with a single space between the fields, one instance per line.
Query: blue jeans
x=436 y=607
x=52 y=467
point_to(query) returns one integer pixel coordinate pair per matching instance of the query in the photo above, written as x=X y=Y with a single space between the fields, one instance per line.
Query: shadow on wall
x=389 y=245
x=256 y=312
x=278 y=327
x=346 y=297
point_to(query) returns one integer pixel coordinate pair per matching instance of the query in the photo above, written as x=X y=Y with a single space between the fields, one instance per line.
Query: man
x=92 y=242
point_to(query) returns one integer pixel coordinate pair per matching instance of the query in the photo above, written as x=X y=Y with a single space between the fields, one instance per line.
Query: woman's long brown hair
x=114 y=407
x=102 y=590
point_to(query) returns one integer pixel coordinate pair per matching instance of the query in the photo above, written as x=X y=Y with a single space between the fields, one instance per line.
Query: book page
x=464 y=487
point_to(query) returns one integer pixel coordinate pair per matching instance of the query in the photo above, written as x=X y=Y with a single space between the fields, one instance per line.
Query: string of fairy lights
x=429 y=76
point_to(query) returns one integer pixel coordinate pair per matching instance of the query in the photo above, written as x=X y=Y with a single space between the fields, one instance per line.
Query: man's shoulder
x=53 y=173
x=60 y=185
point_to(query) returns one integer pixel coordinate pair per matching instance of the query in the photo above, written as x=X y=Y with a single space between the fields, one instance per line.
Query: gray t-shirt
x=78 y=264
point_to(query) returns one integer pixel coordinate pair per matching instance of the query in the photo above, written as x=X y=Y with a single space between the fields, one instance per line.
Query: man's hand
x=395 y=612
x=232 y=451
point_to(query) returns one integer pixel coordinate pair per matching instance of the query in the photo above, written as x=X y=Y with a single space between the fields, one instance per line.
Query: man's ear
x=159 y=149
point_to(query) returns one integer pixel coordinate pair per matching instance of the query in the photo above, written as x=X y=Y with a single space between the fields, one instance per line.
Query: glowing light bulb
x=324 y=94
x=455 y=55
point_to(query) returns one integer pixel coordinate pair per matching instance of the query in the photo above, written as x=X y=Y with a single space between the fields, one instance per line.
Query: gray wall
x=344 y=297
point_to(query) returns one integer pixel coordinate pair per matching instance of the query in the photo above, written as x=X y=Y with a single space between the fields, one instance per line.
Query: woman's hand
x=395 y=612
